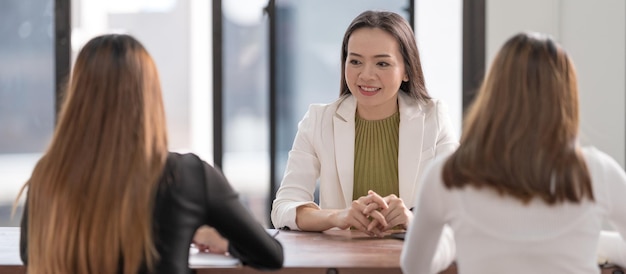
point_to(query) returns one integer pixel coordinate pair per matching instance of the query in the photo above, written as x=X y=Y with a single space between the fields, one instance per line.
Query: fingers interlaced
x=373 y=197
x=374 y=214
x=356 y=218
x=397 y=213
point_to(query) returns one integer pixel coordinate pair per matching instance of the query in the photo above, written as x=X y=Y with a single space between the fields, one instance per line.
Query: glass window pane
x=180 y=46
x=245 y=98
x=27 y=93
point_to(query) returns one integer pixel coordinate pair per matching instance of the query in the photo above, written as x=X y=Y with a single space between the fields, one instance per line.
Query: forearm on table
x=611 y=248
x=310 y=218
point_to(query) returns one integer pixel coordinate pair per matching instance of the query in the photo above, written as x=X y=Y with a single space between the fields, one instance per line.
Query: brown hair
x=520 y=135
x=399 y=28
x=90 y=197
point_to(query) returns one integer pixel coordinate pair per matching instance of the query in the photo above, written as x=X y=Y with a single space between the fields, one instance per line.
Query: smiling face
x=374 y=70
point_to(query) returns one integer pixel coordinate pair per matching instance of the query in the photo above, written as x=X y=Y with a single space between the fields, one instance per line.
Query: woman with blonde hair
x=108 y=197
x=520 y=193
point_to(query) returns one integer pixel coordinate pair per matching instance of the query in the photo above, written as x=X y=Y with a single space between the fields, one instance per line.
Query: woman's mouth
x=368 y=91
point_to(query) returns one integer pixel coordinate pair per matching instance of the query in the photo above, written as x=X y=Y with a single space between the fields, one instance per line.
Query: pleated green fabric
x=376 y=156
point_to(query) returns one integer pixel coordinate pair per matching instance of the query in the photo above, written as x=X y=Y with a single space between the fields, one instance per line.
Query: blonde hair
x=520 y=135
x=90 y=197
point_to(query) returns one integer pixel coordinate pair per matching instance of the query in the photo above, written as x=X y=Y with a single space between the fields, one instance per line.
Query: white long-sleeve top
x=500 y=234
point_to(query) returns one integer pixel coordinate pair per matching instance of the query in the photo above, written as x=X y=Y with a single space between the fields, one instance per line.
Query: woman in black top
x=108 y=197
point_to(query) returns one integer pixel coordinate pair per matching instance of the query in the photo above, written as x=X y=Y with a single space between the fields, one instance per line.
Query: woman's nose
x=367 y=73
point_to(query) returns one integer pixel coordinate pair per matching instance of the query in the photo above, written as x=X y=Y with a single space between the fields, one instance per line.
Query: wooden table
x=331 y=252
x=335 y=251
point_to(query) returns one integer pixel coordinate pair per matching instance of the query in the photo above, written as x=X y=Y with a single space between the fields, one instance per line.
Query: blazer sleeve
x=611 y=244
x=447 y=140
x=301 y=173
x=248 y=240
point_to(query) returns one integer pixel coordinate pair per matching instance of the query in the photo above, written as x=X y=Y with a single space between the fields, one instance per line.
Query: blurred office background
x=266 y=61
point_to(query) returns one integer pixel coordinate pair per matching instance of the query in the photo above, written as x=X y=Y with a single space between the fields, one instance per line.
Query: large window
x=180 y=46
x=27 y=91
x=290 y=49
x=177 y=35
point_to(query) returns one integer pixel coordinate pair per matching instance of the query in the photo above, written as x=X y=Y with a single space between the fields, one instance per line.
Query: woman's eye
x=354 y=62
x=383 y=64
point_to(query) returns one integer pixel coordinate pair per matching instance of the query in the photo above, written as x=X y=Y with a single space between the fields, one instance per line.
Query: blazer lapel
x=410 y=145
x=344 y=131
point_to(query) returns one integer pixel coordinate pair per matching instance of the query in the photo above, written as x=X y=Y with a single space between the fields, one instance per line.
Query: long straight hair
x=401 y=30
x=90 y=197
x=521 y=134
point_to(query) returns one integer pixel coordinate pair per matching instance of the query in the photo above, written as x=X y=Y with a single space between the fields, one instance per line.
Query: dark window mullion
x=218 y=72
x=273 y=119
x=473 y=48
x=62 y=49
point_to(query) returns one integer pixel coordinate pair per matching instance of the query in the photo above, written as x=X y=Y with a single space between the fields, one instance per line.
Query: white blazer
x=324 y=149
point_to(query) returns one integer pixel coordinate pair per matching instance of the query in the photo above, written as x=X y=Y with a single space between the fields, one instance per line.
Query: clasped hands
x=374 y=214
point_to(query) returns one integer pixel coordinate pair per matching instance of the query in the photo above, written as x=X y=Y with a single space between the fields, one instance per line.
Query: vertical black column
x=218 y=128
x=62 y=49
x=473 y=48
x=411 y=11
x=273 y=123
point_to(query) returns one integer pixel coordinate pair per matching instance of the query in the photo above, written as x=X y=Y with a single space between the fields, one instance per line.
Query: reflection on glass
x=26 y=93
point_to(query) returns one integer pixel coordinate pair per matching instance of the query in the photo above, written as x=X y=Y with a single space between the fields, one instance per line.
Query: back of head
x=399 y=28
x=90 y=196
x=520 y=135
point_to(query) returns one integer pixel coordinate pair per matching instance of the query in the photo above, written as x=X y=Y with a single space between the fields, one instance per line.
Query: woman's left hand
x=397 y=213
x=207 y=239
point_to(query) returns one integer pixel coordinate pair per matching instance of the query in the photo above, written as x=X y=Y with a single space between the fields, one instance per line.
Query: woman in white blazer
x=324 y=149
x=382 y=78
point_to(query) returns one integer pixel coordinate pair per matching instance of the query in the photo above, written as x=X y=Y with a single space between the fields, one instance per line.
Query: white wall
x=594 y=34
x=201 y=79
x=439 y=31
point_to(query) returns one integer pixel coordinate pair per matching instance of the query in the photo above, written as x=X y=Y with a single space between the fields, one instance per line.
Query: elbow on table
x=281 y=216
x=276 y=261
x=269 y=258
x=273 y=262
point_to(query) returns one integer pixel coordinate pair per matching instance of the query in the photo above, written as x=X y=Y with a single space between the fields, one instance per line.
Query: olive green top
x=376 y=156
